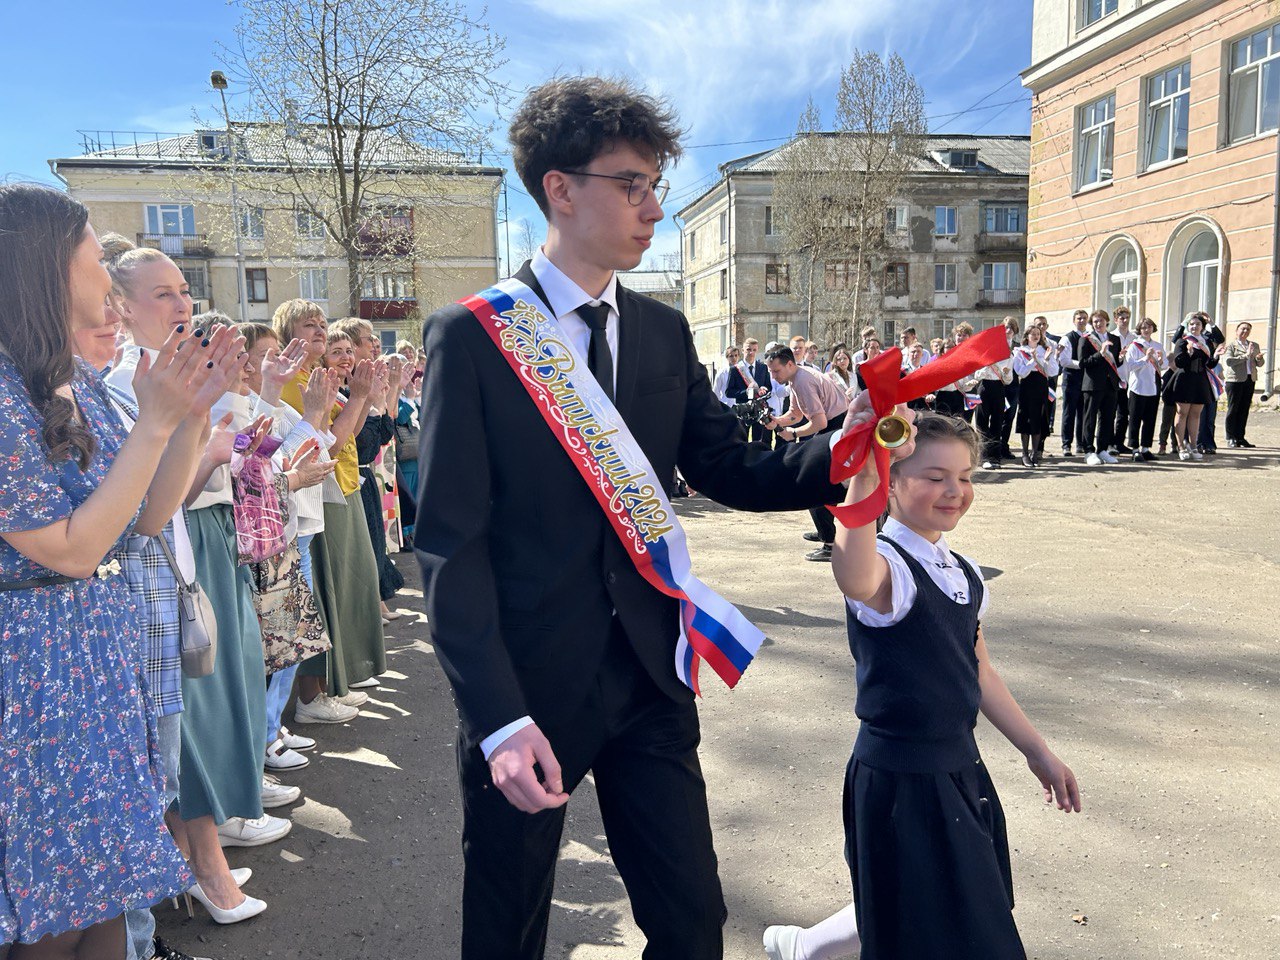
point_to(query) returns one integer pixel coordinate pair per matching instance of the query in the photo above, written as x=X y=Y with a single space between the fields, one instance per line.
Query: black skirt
x=1033 y=405
x=1191 y=386
x=390 y=579
x=929 y=859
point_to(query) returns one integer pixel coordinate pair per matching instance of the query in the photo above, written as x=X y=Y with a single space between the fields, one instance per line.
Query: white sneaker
x=1093 y=460
x=1184 y=455
x=1107 y=458
x=989 y=465
x=780 y=942
x=239 y=832
x=276 y=794
x=324 y=709
x=364 y=684
x=280 y=757
x=1197 y=455
x=354 y=698
x=295 y=742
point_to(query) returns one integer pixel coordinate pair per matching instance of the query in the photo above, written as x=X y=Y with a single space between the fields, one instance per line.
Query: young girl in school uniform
x=924 y=830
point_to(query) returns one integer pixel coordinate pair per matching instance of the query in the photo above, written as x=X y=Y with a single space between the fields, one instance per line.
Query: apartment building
x=431 y=235
x=1154 y=158
x=955 y=244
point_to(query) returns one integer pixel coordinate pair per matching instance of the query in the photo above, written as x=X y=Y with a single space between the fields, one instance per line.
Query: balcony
x=1001 y=298
x=195 y=245
x=1001 y=242
x=387 y=235
x=378 y=308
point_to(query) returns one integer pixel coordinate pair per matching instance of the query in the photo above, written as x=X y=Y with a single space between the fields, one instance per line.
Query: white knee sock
x=834 y=938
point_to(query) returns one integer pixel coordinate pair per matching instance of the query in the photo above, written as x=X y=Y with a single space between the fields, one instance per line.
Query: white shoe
x=295 y=742
x=780 y=942
x=250 y=907
x=355 y=698
x=241 y=875
x=1184 y=455
x=280 y=758
x=276 y=794
x=239 y=832
x=1197 y=455
x=988 y=465
x=364 y=684
x=1107 y=458
x=392 y=615
x=1093 y=460
x=323 y=709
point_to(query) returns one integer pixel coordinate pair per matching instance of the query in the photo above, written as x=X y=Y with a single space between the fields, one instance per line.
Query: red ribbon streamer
x=887 y=388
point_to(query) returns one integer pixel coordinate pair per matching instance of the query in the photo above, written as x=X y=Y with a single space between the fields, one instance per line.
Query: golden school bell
x=892 y=431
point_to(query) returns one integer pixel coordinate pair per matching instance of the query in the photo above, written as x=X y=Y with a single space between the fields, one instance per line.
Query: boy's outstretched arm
x=1002 y=710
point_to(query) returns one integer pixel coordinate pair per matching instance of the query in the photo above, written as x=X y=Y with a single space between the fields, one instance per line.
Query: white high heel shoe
x=250 y=907
x=240 y=875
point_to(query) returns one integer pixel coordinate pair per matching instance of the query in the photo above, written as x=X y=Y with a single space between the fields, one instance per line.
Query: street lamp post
x=219 y=82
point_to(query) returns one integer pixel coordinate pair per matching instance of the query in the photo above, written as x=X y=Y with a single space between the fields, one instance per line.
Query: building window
x=197 y=282
x=308 y=225
x=1122 y=280
x=724 y=227
x=313 y=284
x=1095 y=10
x=1200 y=274
x=693 y=295
x=693 y=243
x=963 y=159
x=895 y=218
x=944 y=221
x=1006 y=220
x=838 y=275
x=724 y=284
x=1168 y=103
x=255 y=282
x=777 y=278
x=251 y=223
x=1097 y=141
x=1255 y=84
x=945 y=278
x=391 y=285
x=388 y=338
x=768 y=221
x=895 y=280
x=1002 y=282
x=170 y=220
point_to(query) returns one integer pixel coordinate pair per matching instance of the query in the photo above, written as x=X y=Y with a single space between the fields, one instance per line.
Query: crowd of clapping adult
x=193 y=529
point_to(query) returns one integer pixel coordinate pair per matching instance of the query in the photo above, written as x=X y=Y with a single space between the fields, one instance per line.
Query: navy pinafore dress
x=924 y=830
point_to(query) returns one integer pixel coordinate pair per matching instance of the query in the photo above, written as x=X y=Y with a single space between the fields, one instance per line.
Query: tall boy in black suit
x=560 y=654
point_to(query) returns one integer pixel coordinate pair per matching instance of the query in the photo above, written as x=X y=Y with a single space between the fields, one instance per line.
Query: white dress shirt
x=564 y=297
x=1138 y=371
x=938 y=562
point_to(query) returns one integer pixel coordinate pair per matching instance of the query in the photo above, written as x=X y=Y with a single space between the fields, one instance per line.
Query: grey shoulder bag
x=198 y=627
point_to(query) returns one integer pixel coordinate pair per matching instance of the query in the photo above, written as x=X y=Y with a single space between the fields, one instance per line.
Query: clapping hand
x=279 y=367
x=222 y=441
x=319 y=396
x=381 y=383
x=305 y=469
x=361 y=379
x=184 y=372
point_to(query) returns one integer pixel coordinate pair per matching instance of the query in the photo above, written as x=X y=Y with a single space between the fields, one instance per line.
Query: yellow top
x=347 y=471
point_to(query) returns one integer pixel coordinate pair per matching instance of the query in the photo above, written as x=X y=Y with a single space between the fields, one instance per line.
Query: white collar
x=564 y=296
x=920 y=548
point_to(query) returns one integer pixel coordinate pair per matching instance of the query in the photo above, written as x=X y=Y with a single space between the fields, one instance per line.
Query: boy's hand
x=1057 y=779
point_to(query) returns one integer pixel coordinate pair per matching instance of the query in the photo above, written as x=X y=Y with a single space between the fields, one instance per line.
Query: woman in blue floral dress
x=81 y=831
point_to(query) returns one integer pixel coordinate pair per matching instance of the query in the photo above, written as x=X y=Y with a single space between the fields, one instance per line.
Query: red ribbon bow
x=887 y=388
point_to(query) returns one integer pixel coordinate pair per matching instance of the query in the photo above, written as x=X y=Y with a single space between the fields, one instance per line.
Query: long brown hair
x=40 y=229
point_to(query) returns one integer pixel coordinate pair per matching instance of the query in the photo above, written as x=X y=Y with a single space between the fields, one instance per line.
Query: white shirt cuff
x=494 y=740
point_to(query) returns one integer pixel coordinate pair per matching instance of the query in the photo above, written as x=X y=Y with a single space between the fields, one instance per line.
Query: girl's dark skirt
x=929 y=859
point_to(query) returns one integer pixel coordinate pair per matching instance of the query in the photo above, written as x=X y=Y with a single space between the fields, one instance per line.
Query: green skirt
x=346 y=586
x=224 y=715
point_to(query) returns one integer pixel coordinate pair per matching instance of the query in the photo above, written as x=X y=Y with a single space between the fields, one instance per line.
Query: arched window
x=1200 y=267
x=1122 y=280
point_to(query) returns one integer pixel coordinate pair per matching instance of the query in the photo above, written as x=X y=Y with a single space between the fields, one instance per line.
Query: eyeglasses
x=639 y=188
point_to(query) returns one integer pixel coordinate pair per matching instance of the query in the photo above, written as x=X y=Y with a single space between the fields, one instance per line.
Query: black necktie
x=599 y=358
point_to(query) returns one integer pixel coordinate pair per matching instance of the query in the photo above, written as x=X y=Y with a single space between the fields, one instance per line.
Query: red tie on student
x=886 y=390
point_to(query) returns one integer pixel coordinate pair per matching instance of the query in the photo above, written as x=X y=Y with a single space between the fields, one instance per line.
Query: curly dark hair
x=40 y=229
x=567 y=122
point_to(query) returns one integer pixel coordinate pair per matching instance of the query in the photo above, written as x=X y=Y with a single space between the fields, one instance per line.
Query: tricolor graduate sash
x=596 y=439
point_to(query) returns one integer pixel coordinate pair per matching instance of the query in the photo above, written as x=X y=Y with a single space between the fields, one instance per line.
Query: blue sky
x=737 y=70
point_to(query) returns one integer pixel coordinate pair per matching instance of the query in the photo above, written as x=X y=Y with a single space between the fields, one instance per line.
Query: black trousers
x=1122 y=417
x=949 y=402
x=1072 y=397
x=989 y=418
x=1142 y=420
x=1011 y=394
x=642 y=748
x=1168 y=418
x=1099 y=420
x=1239 y=398
x=823 y=521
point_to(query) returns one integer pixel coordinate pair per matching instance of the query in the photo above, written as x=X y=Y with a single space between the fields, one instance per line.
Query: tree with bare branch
x=833 y=189
x=360 y=114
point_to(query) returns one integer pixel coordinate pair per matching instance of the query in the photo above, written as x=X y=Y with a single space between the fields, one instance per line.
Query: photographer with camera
x=815 y=398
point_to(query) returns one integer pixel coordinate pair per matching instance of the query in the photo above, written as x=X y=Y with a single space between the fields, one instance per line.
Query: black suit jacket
x=521 y=571
x=736 y=389
x=1098 y=374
